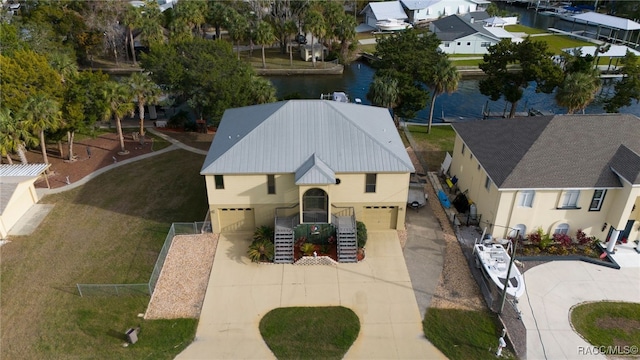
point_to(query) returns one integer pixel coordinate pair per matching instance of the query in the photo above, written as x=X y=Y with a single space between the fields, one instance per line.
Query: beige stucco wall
x=501 y=208
x=23 y=198
x=250 y=191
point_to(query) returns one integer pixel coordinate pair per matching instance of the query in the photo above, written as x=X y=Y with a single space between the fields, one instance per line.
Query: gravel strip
x=183 y=281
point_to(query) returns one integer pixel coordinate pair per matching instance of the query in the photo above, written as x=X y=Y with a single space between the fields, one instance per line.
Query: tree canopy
x=205 y=73
x=628 y=88
x=409 y=58
x=511 y=67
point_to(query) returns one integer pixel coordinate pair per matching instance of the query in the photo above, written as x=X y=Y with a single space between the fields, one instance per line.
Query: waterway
x=465 y=104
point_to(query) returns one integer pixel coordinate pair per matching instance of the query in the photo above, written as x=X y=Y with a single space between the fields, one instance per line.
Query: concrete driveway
x=553 y=288
x=377 y=289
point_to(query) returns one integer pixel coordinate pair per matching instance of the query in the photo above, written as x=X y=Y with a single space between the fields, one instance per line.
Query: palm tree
x=314 y=23
x=41 y=113
x=190 y=15
x=118 y=104
x=264 y=36
x=151 y=30
x=443 y=78
x=237 y=26
x=262 y=90
x=384 y=92
x=345 y=31
x=132 y=19
x=577 y=91
x=290 y=28
x=14 y=136
x=145 y=91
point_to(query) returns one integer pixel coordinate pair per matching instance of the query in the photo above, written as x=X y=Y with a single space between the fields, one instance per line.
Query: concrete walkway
x=553 y=288
x=377 y=289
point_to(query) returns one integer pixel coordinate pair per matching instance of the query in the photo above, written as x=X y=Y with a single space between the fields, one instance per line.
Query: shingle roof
x=561 y=151
x=281 y=137
x=454 y=27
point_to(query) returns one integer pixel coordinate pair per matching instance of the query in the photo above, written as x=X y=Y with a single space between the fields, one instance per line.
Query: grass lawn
x=608 y=323
x=107 y=231
x=461 y=334
x=310 y=332
x=434 y=146
x=524 y=29
x=558 y=42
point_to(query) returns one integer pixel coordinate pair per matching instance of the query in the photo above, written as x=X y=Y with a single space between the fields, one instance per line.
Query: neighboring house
x=17 y=192
x=467 y=36
x=380 y=11
x=429 y=10
x=309 y=162
x=559 y=173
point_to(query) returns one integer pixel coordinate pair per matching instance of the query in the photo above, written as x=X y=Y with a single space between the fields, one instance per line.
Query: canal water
x=465 y=104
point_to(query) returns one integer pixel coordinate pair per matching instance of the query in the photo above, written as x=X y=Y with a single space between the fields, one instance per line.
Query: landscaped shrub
x=563 y=239
x=361 y=232
x=263 y=232
x=308 y=249
x=582 y=238
x=540 y=239
x=179 y=119
x=261 y=250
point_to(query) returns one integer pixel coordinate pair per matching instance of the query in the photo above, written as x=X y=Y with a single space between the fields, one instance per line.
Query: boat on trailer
x=393 y=25
x=494 y=259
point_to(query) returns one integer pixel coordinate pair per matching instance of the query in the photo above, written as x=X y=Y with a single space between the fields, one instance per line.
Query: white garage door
x=236 y=219
x=380 y=217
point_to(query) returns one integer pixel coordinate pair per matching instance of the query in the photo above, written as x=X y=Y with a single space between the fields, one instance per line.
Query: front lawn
x=462 y=334
x=107 y=231
x=558 y=42
x=434 y=146
x=608 y=323
x=310 y=332
x=523 y=29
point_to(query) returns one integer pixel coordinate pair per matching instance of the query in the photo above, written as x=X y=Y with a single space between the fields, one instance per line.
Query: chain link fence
x=147 y=288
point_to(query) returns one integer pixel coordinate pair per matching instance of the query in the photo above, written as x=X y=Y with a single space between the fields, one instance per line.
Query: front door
x=627 y=230
x=315 y=206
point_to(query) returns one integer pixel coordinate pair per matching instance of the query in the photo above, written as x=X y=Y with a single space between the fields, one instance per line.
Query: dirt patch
x=627 y=325
x=91 y=154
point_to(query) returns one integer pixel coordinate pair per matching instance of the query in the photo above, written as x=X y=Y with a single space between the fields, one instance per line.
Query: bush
x=540 y=239
x=261 y=250
x=178 y=120
x=263 y=232
x=582 y=237
x=563 y=239
x=308 y=249
x=361 y=233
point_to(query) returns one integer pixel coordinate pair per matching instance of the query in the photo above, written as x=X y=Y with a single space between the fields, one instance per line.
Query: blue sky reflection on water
x=464 y=104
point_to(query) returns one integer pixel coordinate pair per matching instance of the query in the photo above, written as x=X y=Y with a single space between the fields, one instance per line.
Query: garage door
x=236 y=219
x=380 y=217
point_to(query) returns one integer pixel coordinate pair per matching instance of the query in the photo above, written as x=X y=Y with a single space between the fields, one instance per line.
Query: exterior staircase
x=283 y=246
x=347 y=239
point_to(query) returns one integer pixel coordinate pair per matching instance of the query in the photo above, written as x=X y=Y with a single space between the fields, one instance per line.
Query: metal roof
x=22 y=170
x=561 y=151
x=608 y=21
x=613 y=51
x=315 y=172
x=387 y=10
x=281 y=137
x=418 y=4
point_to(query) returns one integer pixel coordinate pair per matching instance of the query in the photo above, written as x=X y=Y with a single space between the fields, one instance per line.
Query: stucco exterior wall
x=250 y=191
x=23 y=198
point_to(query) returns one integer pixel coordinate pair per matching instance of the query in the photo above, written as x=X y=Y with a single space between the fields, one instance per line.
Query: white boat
x=494 y=260
x=392 y=25
x=339 y=96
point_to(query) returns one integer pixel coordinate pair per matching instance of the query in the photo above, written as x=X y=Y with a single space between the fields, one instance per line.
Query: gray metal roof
x=281 y=137
x=561 y=151
x=386 y=10
x=608 y=21
x=314 y=172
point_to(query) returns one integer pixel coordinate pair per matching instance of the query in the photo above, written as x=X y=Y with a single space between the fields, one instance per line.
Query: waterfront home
x=460 y=35
x=18 y=193
x=559 y=173
x=429 y=10
x=309 y=162
x=376 y=12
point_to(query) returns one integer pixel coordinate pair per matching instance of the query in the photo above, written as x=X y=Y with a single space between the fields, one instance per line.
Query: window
x=520 y=230
x=570 y=199
x=526 y=198
x=219 y=182
x=463 y=147
x=370 y=183
x=596 y=201
x=469 y=44
x=459 y=43
x=562 y=229
x=470 y=156
x=485 y=44
x=487 y=183
x=271 y=184
x=447 y=44
x=478 y=167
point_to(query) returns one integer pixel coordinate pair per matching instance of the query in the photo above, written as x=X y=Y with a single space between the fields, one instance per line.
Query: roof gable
x=315 y=172
x=626 y=163
x=419 y=4
x=280 y=137
x=562 y=151
x=386 y=10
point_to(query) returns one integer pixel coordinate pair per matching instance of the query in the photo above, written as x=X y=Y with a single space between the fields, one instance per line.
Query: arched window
x=520 y=230
x=562 y=229
x=315 y=206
